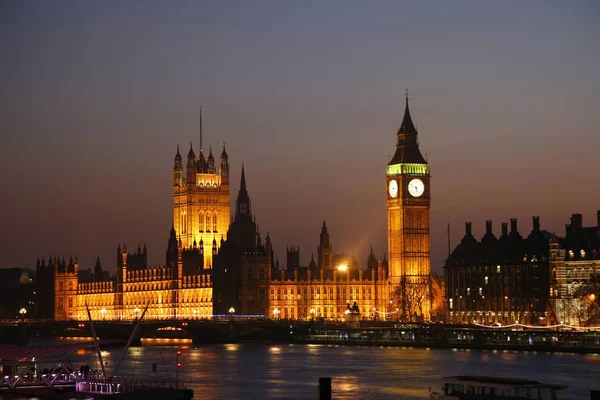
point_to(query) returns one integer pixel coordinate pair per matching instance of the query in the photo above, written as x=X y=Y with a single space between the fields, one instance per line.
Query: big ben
x=408 y=202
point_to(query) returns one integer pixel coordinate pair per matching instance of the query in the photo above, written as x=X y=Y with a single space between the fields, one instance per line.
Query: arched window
x=200 y=222
x=214 y=222
x=61 y=286
x=207 y=223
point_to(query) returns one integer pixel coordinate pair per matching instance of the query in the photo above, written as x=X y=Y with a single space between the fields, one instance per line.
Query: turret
x=177 y=170
x=98 y=270
x=211 y=161
x=214 y=247
x=191 y=167
x=202 y=166
x=224 y=167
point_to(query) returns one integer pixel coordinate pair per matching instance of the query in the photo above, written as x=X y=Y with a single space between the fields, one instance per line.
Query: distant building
x=575 y=274
x=217 y=266
x=499 y=280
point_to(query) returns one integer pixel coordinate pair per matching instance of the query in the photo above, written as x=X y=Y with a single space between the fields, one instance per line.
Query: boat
x=98 y=385
x=29 y=371
x=492 y=388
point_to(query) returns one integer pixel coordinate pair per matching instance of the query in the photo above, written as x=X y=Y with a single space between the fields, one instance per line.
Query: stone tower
x=201 y=211
x=408 y=202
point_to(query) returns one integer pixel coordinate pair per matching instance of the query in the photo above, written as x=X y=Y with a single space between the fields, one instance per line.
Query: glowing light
x=232 y=310
x=23 y=311
x=342 y=267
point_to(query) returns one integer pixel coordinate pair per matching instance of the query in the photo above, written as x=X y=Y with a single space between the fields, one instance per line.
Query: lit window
x=214 y=222
x=207 y=223
x=486 y=280
x=451 y=301
x=201 y=222
x=498 y=269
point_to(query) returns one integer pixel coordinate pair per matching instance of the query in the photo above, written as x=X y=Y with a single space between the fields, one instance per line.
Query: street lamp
x=231 y=312
x=136 y=311
x=276 y=313
x=312 y=313
x=23 y=311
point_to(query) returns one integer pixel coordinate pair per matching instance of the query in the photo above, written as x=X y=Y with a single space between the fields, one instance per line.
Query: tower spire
x=200 y=129
x=243 y=182
x=243 y=200
x=407 y=126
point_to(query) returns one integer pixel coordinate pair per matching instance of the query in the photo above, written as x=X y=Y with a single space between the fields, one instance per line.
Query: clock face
x=393 y=188
x=416 y=187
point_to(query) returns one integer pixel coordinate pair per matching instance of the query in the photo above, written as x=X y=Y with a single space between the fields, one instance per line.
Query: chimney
x=536 y=223
x=567 y=229
x=576 y=221
x=504 y=228
x=513 y=225
x=467 y=229
x=488 y=227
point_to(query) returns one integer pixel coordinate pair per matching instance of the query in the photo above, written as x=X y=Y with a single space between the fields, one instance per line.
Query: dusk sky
x=95 y=97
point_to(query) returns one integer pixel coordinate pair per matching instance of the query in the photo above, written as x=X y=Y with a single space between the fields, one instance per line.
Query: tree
x=412 y=296
x=585 y=303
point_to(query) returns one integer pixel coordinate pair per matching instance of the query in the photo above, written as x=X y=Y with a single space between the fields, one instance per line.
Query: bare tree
x=412 y=296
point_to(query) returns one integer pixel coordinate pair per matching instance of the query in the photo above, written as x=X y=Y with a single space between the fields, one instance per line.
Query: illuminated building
x=325 y=290
x=201 y=213
x=213 y=267
x=575 y=274
x=499 y=280
x=408 y=202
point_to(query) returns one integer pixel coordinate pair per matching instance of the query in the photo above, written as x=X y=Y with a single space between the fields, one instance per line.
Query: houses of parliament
x=217 y=264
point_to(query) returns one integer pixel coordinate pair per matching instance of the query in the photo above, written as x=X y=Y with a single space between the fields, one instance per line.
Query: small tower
x=224 y=167
x=177 y=170
x=211 y=161
x=191 y=168
x=324 y=250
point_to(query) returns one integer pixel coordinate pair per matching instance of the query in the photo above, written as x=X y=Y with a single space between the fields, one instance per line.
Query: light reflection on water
x=250 y=371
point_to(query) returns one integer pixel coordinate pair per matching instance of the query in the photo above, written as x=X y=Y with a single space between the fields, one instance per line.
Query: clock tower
x=408 y=201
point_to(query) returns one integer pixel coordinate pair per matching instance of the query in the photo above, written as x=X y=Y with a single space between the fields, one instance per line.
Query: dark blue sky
x=96 y=96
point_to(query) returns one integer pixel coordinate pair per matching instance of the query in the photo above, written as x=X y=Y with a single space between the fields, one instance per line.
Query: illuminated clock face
x=393 y=188
x=416 y=187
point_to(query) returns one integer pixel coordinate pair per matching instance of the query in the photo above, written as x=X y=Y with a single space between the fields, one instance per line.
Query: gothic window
x=61 y=286
x=207 y=223
x=70 y=302
x=201 y=222
x=214 y=219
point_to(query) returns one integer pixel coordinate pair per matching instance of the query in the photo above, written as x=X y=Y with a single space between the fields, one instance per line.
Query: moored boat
x=493 y=388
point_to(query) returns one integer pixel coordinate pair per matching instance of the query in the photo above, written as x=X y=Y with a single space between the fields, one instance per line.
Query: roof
x=407 y=149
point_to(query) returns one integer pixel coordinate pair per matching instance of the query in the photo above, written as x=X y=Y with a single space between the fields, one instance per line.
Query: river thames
x=255 y=371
